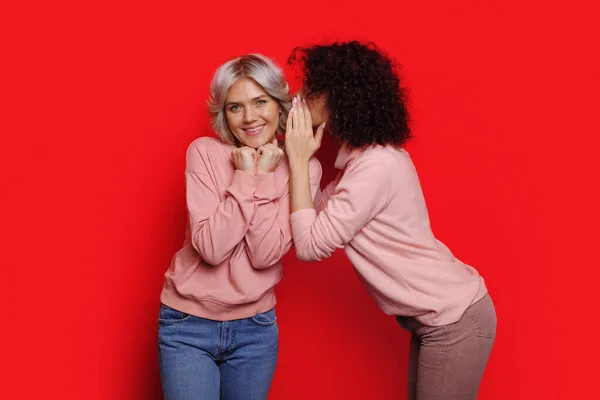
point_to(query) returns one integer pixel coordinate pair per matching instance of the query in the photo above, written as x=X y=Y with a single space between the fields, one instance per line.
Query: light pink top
x=375 y=210
x=238 y=231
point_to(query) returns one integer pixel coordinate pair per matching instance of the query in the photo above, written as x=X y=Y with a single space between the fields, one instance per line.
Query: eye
x=234 y=108
x=261 y=102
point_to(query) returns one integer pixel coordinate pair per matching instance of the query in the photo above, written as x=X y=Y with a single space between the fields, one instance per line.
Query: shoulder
x=314 y=166
x=375 y=169
x=207 y=143
x=374 y=158
x=387 y=157
x=203 y=149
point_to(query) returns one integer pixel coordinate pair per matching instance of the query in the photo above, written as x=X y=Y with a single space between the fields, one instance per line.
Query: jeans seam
x=260 y=323
x=473 y=323
x=480 y=333
x=220 y=348
x=442 y=373
x=231 y=347
x=264 y=324
x=173 y=321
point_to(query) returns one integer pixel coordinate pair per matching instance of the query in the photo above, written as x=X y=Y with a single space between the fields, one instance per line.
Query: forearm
x=300 y=192
x=269 y=235
x=217 y=227
x=217 y=236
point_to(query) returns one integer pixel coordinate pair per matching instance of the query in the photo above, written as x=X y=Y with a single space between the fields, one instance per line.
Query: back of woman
x=376 y=211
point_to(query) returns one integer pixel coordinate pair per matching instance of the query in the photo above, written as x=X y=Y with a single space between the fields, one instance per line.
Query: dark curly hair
x=365 y=101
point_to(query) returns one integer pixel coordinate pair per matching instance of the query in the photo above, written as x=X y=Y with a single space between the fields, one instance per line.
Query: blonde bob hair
x=257 y=67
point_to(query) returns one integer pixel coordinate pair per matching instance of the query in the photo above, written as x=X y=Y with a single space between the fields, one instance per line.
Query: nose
x=249 y=115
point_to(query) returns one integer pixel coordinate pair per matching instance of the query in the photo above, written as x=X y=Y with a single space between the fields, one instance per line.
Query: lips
x=254 y=130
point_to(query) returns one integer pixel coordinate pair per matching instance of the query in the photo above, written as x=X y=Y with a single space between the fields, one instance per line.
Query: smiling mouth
x=253 y=131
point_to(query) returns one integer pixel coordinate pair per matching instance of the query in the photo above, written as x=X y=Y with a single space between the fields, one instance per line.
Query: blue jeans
x=202 y=359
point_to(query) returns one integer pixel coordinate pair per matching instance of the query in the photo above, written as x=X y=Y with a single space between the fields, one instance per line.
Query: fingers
x=268 y=148
x=247 y=150
x=289 y=123
x=235 y=154
x=295 y=117
x=301 y=114
x=274 y=141
x=307 y=116
x=301 y=117
x=319 y=135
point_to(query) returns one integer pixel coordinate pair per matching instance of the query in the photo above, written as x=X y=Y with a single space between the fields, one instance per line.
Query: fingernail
x=294 y=101
x=324 y=123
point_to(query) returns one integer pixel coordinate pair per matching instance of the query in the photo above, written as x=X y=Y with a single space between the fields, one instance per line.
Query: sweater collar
x=345 y=156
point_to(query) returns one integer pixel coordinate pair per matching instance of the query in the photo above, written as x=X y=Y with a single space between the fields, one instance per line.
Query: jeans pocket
x=170 y=316
x=483 y=317
x=265 y=319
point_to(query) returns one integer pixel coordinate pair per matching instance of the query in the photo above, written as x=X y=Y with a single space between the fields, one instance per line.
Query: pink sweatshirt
x=375 y=210
x=238 y=231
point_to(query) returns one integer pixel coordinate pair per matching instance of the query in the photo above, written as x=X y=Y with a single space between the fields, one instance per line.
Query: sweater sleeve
x=269 y=236
x=216 y=226
x=324 y=195
x=361 y=193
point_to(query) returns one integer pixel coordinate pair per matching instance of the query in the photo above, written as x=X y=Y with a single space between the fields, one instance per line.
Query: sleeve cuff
x=302 y=219
x=265 y=187
x=243 y=183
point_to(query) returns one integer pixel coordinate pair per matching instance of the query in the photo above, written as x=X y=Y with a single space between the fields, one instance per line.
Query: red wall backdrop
x=102 y=99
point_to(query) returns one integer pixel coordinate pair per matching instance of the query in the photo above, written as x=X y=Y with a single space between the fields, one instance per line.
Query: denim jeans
x=202 y=359
x=447 y=362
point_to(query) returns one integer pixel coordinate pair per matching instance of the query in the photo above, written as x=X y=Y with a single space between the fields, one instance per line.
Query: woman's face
x=252 y=115
x=318 y=110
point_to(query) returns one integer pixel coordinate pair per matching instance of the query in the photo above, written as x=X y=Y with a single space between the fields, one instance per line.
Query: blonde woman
x=217 y=334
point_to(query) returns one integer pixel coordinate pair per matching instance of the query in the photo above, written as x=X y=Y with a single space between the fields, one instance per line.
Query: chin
x=256 y=142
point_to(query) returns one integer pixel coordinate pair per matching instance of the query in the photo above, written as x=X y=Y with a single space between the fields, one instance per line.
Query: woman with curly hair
x=375 y=210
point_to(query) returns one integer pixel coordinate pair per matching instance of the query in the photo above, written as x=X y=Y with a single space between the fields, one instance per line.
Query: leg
x=453 y=357
x=248 y=367
x=187 y=344
x=413 y=362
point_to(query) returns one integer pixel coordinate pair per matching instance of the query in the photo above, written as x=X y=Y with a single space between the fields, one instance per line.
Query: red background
x=103 y=98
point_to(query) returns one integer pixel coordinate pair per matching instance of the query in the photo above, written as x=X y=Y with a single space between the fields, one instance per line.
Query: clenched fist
x=269 y=157
x=244 y=159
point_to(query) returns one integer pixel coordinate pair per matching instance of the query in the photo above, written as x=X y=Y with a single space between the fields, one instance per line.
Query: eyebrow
x=253 y=99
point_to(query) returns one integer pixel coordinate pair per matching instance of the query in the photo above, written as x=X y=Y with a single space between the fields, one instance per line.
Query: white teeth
x=254 y=129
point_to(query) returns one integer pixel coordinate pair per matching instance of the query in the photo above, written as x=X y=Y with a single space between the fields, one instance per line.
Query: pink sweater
x=375 y=210
x=238 y=231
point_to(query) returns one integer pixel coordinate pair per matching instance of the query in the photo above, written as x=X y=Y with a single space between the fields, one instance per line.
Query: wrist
x=264 y=169
x=298 y=163
x=251 y=171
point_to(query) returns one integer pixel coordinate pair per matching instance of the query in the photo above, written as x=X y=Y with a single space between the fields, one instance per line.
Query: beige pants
x=447 y=362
